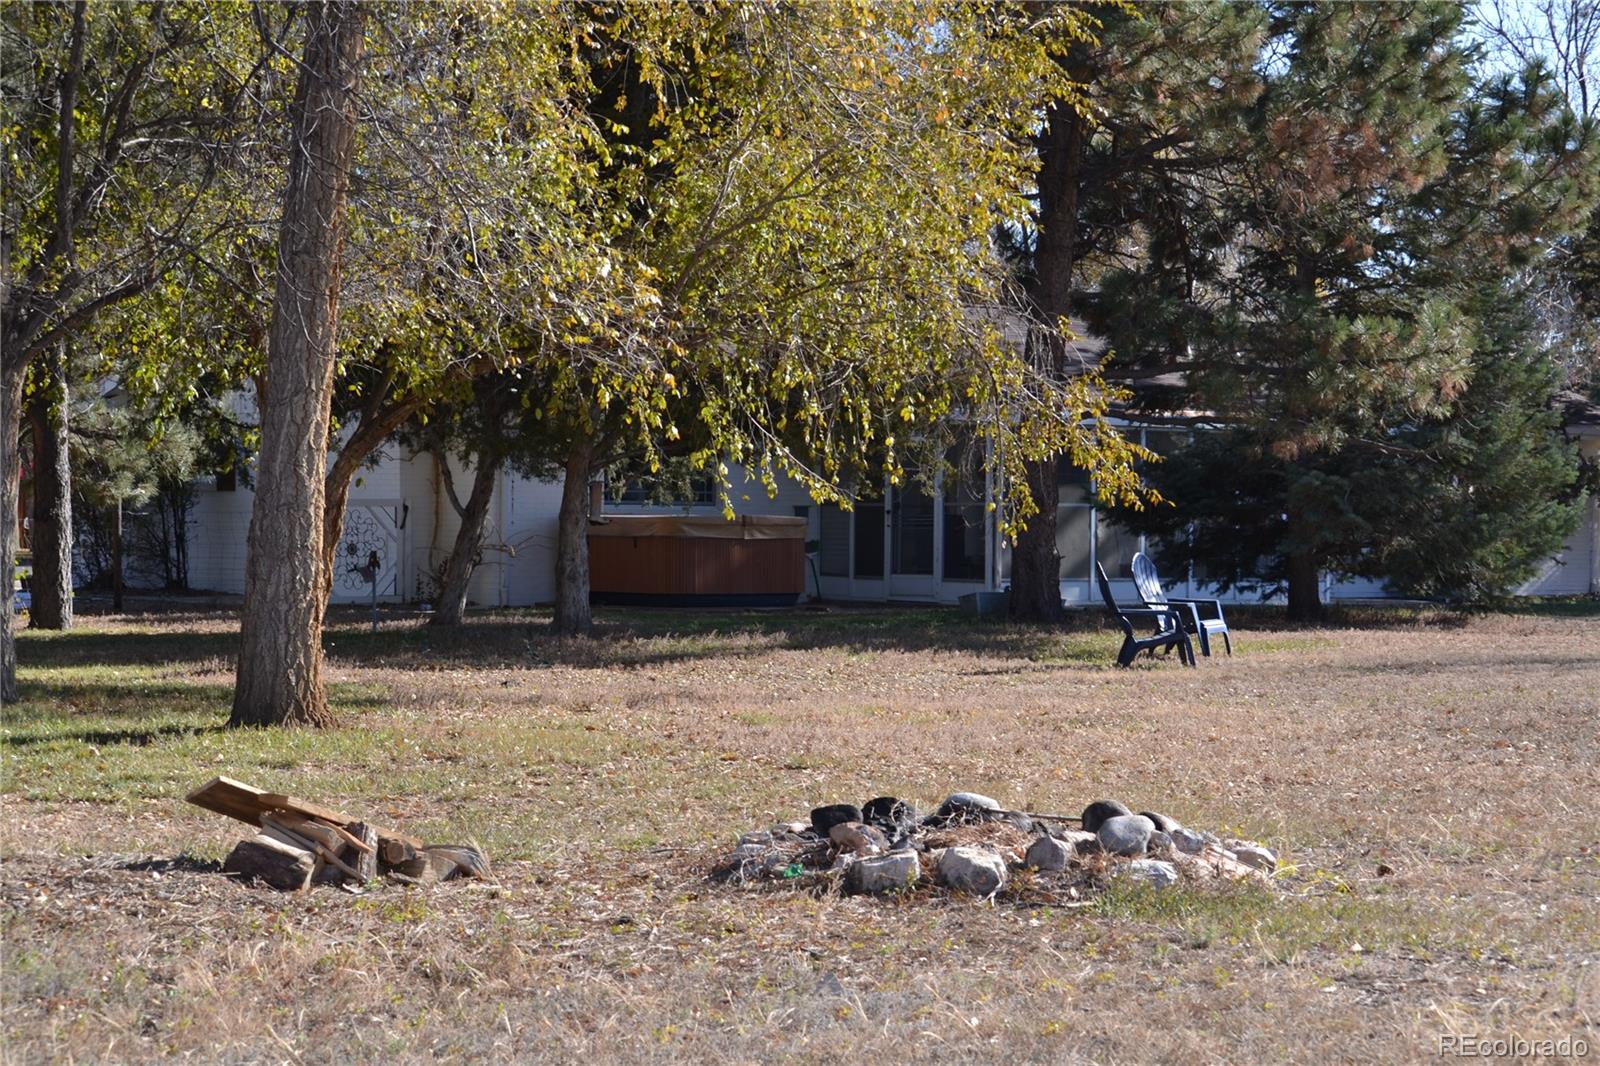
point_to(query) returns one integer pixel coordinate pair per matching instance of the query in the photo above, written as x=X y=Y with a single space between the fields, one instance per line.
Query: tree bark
x=52 y=500
x=1035 y=594
x=286 y=580
x=1035 y=564
x=116 y=557
x=469 y=541
x=1305 y=588
x=573 y=616
x=10 y=491
x=1303 y=574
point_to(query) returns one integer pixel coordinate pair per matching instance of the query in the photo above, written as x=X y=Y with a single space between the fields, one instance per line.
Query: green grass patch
x=1285 y=927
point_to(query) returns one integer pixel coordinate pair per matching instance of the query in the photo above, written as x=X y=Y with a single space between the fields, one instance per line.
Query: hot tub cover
x=713 y=526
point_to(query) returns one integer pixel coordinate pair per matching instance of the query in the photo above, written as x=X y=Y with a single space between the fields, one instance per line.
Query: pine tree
x=1323 y=299
x=1162 y=84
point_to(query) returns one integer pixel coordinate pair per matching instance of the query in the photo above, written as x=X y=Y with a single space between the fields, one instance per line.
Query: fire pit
x=970 y=845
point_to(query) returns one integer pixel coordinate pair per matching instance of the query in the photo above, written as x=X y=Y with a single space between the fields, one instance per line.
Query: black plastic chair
x=1195 y=614
x=1169 y=632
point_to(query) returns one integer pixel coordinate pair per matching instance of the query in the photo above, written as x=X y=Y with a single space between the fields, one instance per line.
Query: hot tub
x=697 y=560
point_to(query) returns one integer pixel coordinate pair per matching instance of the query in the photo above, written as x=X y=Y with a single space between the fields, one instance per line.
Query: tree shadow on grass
x=634 y=638
x=103 y=738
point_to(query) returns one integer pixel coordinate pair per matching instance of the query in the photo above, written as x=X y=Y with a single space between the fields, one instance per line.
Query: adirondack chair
x=1194 y=613
x=1169 y=632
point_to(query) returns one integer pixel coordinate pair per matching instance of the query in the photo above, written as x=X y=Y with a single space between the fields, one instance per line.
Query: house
x=909 y=544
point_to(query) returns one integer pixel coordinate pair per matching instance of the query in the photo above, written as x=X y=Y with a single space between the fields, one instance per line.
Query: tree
x=280 y=656
x=810 y=194
x=1160 y=83
x=1558 y=39
x=484 y=427
x=1326 y=301
x=118 y=119
x=125 y=457
x=51 y=538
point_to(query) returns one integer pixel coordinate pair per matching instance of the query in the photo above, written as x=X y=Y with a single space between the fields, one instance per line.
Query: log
x=396 y=850
x=425 y=867
x=365 y=858
x=278 y=864
x=469 y=861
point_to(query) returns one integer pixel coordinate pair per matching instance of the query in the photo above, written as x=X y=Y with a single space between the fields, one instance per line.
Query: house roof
x=1578 y=412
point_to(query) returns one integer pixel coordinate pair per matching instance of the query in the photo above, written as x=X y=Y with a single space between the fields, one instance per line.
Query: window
x=665 y=492
x=835 y=552
x=869 y=540
x=1074 y=482
x=1072 y=541
x=965 y=516
x=912 y=538
x=1115 y=548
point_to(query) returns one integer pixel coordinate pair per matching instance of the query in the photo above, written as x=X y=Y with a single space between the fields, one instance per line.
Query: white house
x=909 y=545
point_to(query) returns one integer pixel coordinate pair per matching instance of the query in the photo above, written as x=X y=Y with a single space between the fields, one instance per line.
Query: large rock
x=1101 y=811
x=825 y=818
x=959 y=807
x=1126 y=834
x=1257 y=857
x=1161 y=821
x=1187 y=840
x=1048 y=854
x=1149 y=871
x=976 y=871
x=858 y=838
x=884 y=873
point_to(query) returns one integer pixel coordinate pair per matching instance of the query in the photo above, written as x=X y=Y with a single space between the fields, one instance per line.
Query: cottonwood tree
x=280 y=655
x=483 y=423
x=118 y=118
x=810 y=193
x=1335 y=304
x=463 y=205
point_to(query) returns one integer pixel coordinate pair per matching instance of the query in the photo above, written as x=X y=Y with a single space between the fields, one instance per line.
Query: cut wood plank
x=310 y=828
x=265 y=859
x=299 y=806
x=283 y=836
x=247 y=803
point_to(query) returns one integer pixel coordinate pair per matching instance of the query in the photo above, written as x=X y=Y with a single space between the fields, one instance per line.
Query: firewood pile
x=299 y=844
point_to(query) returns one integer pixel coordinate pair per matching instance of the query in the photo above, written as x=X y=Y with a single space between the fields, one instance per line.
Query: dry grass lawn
x=604 y=776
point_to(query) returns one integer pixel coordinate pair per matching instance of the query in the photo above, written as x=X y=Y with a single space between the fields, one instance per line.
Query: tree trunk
x=1305 y=587
x=469 y=541
x=116 y=557
x=286 y=581
x=1302 y=571
x=52 y=499
x=573 y=616
x=1035 y=563
x=10 y=491
x=1035 y=594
